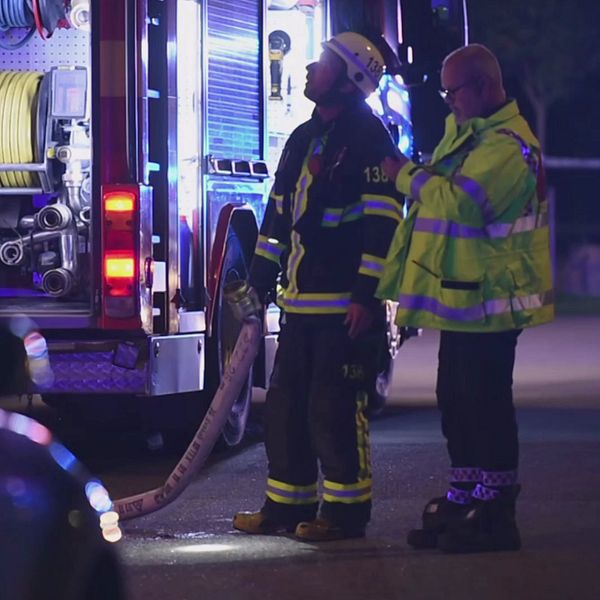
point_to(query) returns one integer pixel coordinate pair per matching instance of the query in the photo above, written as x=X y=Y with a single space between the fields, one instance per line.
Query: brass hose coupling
x=243 y=299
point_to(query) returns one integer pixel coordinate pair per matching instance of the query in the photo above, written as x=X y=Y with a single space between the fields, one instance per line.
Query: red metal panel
x=112 y=112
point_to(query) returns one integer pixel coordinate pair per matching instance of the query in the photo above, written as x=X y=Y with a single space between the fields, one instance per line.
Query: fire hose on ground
x=246 y=306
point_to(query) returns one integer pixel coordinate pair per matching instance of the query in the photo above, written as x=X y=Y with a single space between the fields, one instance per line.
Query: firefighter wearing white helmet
x=364 y=62
x=326 y=232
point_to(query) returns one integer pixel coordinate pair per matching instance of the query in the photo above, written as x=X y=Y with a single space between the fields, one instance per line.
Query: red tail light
x=119 y=273
x=120 y=251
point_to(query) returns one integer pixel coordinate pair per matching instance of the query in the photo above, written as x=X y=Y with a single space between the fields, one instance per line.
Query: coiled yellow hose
x=18 y=125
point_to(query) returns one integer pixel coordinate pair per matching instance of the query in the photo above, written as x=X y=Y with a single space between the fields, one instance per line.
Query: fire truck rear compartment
x=45 y=173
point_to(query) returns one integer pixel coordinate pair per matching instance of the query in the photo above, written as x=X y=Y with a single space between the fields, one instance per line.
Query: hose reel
x=41 y=15
x=45 y=149
x=18 y=103
x=33 y=110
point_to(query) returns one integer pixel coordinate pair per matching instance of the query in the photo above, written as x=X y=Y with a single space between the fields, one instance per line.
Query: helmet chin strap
x=336 y=97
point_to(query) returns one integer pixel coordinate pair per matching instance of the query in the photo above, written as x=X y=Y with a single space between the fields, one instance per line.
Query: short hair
x=477 y=59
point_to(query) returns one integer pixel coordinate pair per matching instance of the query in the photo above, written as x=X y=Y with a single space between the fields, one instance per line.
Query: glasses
x=451 y=92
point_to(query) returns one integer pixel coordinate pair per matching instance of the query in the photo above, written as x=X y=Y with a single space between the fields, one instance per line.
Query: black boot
x=438 y=512
x=488 y=526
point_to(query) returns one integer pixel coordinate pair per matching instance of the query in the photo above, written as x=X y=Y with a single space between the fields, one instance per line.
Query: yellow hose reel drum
x=19 y=97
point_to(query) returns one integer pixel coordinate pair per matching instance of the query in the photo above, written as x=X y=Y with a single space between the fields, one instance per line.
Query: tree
x=550 y=46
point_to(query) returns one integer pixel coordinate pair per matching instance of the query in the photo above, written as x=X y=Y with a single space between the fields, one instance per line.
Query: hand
x=392 y=165
x=359 y=318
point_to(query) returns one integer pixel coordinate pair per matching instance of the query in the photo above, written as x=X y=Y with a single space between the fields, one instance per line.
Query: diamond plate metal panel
x=94 y=372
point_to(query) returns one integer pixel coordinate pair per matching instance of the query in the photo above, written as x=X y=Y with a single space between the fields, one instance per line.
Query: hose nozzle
x=242 y=298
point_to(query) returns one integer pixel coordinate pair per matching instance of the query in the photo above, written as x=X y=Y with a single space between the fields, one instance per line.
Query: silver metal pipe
x=22 y=167
x=68 y=249
x=27 y=222
x=24 y=191
x=53 y=217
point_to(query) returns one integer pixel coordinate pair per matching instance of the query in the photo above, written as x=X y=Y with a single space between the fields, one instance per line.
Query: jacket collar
x=347 y=116
x=456 y=135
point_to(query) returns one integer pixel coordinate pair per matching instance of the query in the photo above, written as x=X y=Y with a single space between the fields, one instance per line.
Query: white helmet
x=364 y=62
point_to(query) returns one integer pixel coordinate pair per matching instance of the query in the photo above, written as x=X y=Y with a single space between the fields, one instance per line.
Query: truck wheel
x=222 y=342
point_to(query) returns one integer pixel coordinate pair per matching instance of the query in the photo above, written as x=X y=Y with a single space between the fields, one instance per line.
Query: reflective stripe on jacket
x=474 y=253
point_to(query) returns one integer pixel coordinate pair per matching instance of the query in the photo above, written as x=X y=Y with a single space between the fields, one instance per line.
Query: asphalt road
x=188 y=550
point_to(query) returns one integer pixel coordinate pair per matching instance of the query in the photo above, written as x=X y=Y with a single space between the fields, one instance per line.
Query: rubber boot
x=489 y=526
x=274 y=518
x=323 y=530
x=259 y=523
x=438 y=512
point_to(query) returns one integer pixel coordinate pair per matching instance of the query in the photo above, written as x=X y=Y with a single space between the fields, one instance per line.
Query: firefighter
x=472 y=259
x=330 y=218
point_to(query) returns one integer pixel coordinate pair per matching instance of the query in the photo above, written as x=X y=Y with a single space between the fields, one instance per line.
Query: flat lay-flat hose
x=18 y=123
x=234 y=377
x=246 y=306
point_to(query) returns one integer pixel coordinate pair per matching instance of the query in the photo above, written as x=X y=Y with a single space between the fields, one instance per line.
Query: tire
x=222 y=342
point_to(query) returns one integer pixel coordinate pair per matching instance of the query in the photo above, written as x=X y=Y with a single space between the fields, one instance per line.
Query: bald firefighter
x=329 y=221
x=472 y=259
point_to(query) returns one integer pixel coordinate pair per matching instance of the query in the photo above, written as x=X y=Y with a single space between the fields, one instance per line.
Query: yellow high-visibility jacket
x=473 y=253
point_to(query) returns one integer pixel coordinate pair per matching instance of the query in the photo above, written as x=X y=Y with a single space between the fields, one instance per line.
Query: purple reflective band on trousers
x=498 y=478
x=478 y=194
x=464 y=474
x=347 y=493
x=484 y=493
x=458 y=496
x=472 y=313
x=418 y=181
x=288 y=494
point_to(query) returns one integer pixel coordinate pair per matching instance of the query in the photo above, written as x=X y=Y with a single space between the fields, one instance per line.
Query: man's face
x=322 y=75
x=463 y=93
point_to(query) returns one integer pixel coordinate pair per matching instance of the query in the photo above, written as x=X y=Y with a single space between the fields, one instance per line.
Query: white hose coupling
x=79 y=15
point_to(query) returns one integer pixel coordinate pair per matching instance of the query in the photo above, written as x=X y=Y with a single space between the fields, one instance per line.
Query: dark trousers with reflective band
x=474 y=392
x=315 y=416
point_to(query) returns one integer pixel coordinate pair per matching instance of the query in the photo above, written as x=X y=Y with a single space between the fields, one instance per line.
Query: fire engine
x=137 y=143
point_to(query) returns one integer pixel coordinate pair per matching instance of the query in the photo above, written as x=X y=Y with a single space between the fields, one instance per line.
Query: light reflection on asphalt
x=143 y=551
